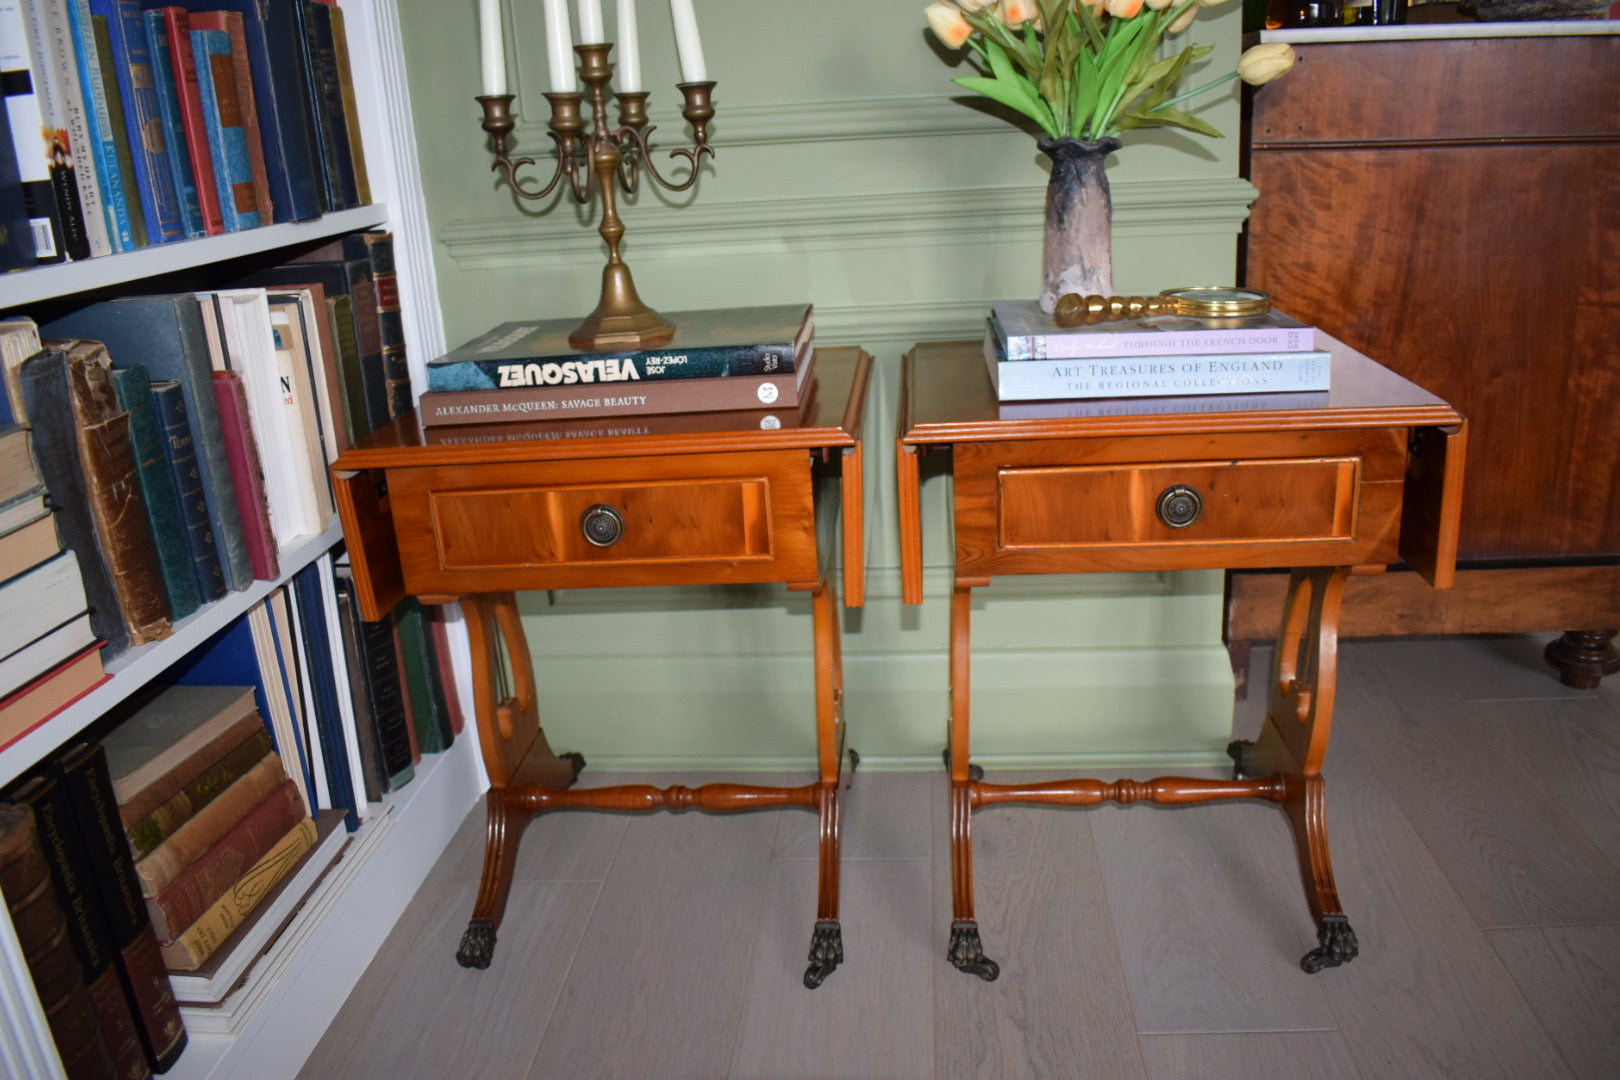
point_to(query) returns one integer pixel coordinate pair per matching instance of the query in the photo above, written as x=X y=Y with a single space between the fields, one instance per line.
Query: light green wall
x=847 y=175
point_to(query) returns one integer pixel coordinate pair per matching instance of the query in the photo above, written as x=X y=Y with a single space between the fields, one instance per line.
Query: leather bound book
x=231 y=23
x=177 y=32
x=87 y=923
x=161 y=822
x=107 y=453
x=209 y=825
x=179 y=451
x=378 y=704
x=134 y=390
x=247 y=474
x=227 y=130
x=42 y=932
x=186 y=898
x=163 y=1033
x=56 y=446
x=165 y=335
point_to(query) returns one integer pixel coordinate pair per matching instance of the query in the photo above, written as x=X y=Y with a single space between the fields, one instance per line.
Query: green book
x=156 y=478
x=428 y=706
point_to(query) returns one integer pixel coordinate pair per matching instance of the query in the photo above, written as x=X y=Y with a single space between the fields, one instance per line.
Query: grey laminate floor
x=1475 y=815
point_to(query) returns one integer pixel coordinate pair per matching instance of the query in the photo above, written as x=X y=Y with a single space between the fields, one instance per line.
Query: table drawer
x=1049 y=507
x=627 y=521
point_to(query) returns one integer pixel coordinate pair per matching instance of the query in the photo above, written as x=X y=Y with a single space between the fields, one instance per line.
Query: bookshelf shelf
x=41 y=283
x=137 y=667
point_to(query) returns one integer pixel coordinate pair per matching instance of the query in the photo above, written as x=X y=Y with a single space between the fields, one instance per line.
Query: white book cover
x=1024 y=332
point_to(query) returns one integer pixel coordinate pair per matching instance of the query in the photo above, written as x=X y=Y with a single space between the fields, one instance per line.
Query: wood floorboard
x=1060 y=1006
x=1458 y=770
x=1136 y=943
x=1258 y=1055
x=869 y=1009
x=1571 y=977
x=657 y=980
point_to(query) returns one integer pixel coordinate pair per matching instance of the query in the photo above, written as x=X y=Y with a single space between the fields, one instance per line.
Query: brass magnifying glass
x=1198 y=301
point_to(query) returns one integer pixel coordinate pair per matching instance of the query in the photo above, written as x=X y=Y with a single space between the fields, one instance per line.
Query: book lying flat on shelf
x=770 y=340
x=1024 y=332
x=1158 y=376
x=31 y=705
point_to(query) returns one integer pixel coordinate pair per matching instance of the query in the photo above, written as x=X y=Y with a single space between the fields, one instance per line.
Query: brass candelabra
x=601 y=162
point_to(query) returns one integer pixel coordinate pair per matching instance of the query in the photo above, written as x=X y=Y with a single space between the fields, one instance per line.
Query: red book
x=231 y=23
x=247 y=474
x=184 y=900
x=177 y=28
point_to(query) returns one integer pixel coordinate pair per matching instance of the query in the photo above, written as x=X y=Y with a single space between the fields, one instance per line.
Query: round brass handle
x=602 y=525
x=1180 y=506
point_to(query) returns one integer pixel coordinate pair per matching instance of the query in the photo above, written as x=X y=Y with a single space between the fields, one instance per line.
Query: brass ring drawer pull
x=1180 y=505
x=602 y=525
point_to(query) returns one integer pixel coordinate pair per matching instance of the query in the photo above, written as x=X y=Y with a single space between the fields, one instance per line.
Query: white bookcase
x=293 y=991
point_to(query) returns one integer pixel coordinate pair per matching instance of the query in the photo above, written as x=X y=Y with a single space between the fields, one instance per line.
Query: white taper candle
x=560 y=47
x=687 y=43
x=590 y=23
x=629 y=46
x=492 y=50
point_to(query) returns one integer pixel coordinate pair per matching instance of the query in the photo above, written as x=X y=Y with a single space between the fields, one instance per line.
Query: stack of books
x=179 y=121
x=751 y=363
x=1031 y=358
x=209 y=811
x=48 y=651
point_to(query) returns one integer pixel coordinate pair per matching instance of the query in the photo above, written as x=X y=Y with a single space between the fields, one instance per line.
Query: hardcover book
x=180 y=453
x=174 y=24
x=1024 y=332
x=231 y=23
x=73 y=166
x=159 y=867
x=376 y=684
x=326 y=104
x=26 y=708
x=84 y=773
x=39 y=600
x=172 y=738
x=45 y=652
x=771 y=340
x=26 y=120
x=725 y=393
x=166 y=80
x=227 y=127
x=163 y=819
x=165 y=333
x=16 y=234
x=25 y=547
x=247 y=475
x=116 y=183
x=118 y=126
x=158 y=494
x=131 y=60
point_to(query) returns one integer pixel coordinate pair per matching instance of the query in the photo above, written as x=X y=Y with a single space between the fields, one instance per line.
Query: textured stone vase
x=1079 y=250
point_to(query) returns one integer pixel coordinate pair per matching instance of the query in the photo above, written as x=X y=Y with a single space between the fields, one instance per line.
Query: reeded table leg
x=966 y=950
x=827 y=940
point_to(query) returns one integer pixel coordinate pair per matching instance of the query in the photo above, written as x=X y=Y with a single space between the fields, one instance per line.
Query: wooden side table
x=475 y=514
x=1356 y=477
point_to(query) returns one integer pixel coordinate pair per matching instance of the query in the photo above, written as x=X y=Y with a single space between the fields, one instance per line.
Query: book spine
x=56 y=447
x=393 y=745
x=247 y=474
x=16 y=235
x=433 y=733
x=248 y=107
x=1157 y=343
x=163 y=1034
x=27 y=121
x=107 y=455
x=193 y=121
x=310 y=611
x=166 y=83
x=72 y=115
x=209 y=825
x=118 y=127
x=55 y=142
x=210 y=930
x=157 y=488
x=159 y=823
x=708 y=362
x=227 y=138
x=327 y=104
x=103 y=146
x=132 y=62
x=180 y=453
x=351 y=106
x=87 y=928
x=565 y=402
x=377 y=245
x=191 y=894
x=42 y=932
x=1166 y=376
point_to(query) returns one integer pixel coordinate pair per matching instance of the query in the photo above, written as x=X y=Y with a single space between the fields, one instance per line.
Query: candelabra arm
x=498 y=123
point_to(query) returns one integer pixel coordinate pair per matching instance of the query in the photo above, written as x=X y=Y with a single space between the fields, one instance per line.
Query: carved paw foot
x=477 y=945
x=578 y=760
x=1338 y=945
x=967 y=952
x=826 y=953
x=1234 y=750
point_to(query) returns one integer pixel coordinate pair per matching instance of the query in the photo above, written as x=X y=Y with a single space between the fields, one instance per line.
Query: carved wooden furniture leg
x=515 y=751
x=826 y=941
x=966 y=949
x=1583 y=657
x=1294 y=742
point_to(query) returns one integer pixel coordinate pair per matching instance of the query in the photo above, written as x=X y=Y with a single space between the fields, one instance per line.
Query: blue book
x=16 y=235
x=227 y=134
x=98 y=117
x=169 y=400
x=270 y=30
x=310 y=605
x=174 y=127
x=132 y=60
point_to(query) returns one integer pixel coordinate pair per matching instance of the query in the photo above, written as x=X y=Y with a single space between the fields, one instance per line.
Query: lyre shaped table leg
x=516 y=754
x=1294 y=742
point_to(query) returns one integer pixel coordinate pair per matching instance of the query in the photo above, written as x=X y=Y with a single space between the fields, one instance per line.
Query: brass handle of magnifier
x=1207 y=302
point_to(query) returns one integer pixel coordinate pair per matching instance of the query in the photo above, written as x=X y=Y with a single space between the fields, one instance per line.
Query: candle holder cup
x=599 y=163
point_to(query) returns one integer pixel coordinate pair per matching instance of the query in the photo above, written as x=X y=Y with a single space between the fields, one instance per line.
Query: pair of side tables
x=1360 y=476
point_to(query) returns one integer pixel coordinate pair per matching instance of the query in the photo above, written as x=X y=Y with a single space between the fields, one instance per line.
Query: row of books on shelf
x=752 y=364
x=157 y=452
x=128 y=123
x=169 y=851
x=1030 y=358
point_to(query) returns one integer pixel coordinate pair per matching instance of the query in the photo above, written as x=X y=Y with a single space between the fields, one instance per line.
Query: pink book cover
x=247 y=474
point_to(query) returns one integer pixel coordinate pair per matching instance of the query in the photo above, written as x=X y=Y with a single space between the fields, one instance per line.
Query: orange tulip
x=948 y=25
